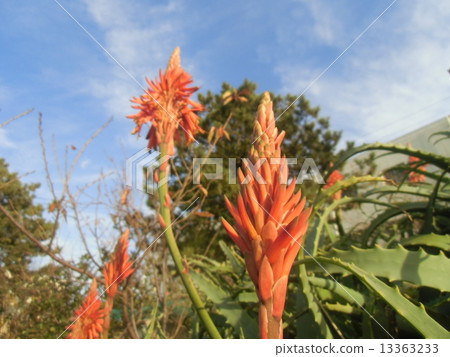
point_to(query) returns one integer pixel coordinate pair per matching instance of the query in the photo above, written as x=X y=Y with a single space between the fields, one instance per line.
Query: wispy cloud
x=5 y=142
x=141 y=38
x=325 y=24
x=397 y=69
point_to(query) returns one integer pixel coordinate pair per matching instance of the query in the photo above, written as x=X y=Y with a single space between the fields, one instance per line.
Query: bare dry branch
x=44 y=248
x=16 y=117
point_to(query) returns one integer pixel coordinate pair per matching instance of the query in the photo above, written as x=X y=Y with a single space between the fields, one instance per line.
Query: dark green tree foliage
x=308 y=135
x=16 y=250
x=33 y=303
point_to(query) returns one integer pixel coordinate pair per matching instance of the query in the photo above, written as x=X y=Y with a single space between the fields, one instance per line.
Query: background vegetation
x=391 y=264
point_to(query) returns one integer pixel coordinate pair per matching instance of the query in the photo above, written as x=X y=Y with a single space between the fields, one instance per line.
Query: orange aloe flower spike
x=89 y=317
x=265 y=211
x=415 y=177
x=119 y=268
x=334 y=178
x=166 y=104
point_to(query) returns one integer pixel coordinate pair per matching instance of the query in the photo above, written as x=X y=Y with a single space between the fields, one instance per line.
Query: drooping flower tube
x=166 y=104
x=119 y=268
x=89 y=317
x=270 y=220
x=334 y=178
x=414 y=176
x=116 y=271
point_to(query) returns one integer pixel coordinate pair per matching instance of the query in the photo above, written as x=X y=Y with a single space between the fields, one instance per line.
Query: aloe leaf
x=161 y=333
x=346 y=309
x=316 y=238
x=415 y=315
x=429 y=214
x=367 y=321
x=324 y=294
x=330 y=232
x=400 y=208
x=247 y=297
x=235 y=315
x=430 y=240
x=422 y=191
x=212 y=269
x=238 y=266
x=338 y=289
x=407 y=168
x=445 y=134
x=417 y=267
x=437 y=160
x=151 y=327
x=326 y=194
x=311 y=323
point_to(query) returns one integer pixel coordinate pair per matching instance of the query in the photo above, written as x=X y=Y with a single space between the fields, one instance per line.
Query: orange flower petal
x=279 y=297
x=265 y=280
x=247 y=224
x=289 y=258
x=269 y=233
x=235 y=237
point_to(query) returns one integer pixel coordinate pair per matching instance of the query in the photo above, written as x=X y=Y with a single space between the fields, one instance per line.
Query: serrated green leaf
x=401 y=208
x=330 y=232
x=338 y=289
x=340 y=185
x=437 y=160
x=445 y=134
x=235 y=315
x=314 y=238
x=422 y=191
x=248 y=296
x=415 y=315
x=430 y=212
x=311 y=323
x=237 y=266
x=346 y=309
x=430 y=240
x=417 y=267
x=324 y=294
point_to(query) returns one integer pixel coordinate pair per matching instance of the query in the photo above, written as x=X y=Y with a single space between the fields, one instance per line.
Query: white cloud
x=141 y=38
x=376 y=90
x=85 y=163
x=5 y=142
x=325 y=24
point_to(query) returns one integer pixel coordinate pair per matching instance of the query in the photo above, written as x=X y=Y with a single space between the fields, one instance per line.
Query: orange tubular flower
x=270 y=220
x=118 y=269
x=90 y=317
x=335 y=177
x=167 y=105
x=415 y=177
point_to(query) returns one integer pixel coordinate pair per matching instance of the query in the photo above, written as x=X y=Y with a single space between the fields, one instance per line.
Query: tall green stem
x=175 y=252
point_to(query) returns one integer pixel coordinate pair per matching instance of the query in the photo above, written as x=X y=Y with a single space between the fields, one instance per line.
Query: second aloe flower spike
x=270 y=220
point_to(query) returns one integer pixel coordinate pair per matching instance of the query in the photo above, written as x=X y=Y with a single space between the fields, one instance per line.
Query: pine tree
x=34 y=303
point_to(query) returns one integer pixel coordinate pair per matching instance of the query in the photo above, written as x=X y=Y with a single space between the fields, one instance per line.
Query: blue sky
x=393 y=80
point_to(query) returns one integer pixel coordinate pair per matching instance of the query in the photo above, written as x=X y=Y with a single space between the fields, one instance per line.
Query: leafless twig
x=16 y=117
